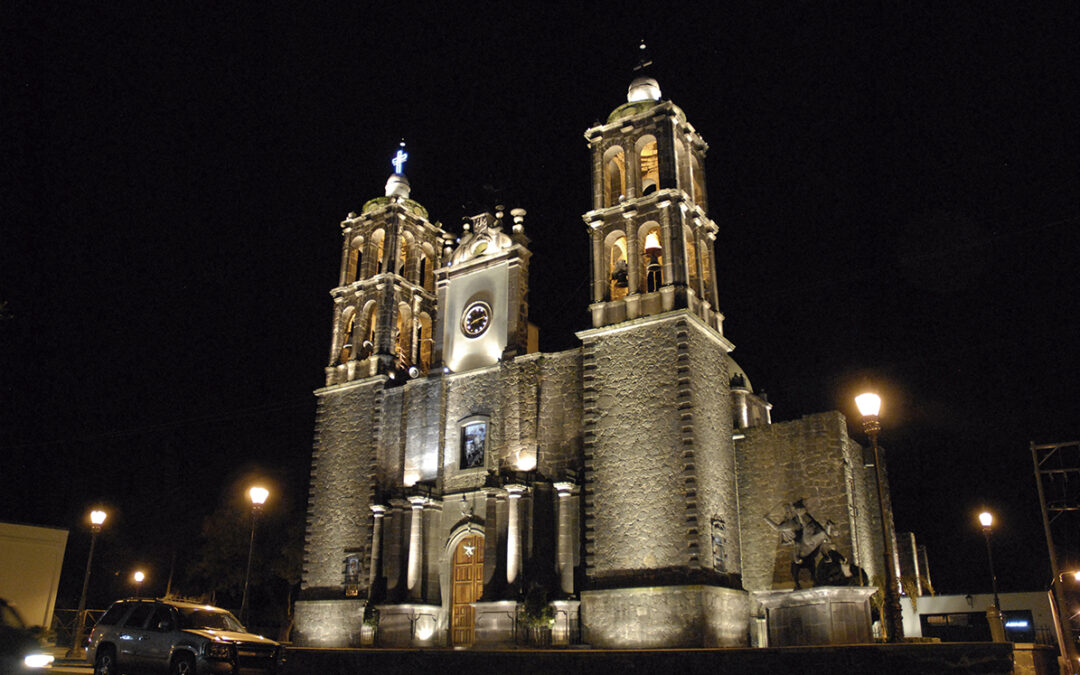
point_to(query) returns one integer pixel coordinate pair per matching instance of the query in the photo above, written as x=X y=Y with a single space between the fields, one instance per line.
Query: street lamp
x=97 y=519
x=892 y=617
x=138 y=577
x=258 y=497
x=1059 y=608
x=993 y=614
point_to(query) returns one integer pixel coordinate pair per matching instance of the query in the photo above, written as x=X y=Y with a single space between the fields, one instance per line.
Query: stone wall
x=811 y=458
x=342 y=484
x=635 y=503
x=707 y=431
x=664 y=617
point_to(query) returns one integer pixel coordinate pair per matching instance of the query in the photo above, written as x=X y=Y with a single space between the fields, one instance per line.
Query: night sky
x=896 y=188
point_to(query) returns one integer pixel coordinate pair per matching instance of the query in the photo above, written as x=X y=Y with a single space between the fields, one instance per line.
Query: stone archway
x=467 y=585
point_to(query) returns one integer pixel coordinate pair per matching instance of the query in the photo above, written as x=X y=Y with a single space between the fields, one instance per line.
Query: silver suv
x=179 y=638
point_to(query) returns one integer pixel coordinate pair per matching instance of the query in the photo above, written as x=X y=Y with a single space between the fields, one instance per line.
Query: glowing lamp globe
x=986 y=519
x=97 y=518
x=258 y=495
x=869 y=404
x=139 y=576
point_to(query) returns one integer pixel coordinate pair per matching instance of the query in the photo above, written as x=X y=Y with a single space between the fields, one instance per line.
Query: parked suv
x=180 y=638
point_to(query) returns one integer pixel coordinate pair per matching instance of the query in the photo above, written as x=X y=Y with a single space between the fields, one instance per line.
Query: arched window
x=618 y=280
x=691 y=260
x=369 y=330
x=650 y=164
x=652 y=260
x=699 y=179
x=403 y=256
x=356 y=258
x=348 y=324
x=378 y=246
x=614 y=175
x=706 y=272
x=427 y=268
x=403 y=337
x=427 y=344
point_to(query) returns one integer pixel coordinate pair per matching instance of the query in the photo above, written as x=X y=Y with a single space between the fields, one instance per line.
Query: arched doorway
x=467 y=573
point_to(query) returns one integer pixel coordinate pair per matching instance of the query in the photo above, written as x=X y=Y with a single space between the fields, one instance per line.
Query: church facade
x=467 y=489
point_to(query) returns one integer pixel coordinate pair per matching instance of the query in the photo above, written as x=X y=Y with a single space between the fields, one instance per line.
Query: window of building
x=356 y=258
x=473 y=444
x=698 y=174
x=653 y=260
x=691 y=259
x=347 y=349
x=427 y=268
x=403 y=337
x=617 y=269
x=378 y=245
x=427 y=344
x=649 y=159
x=403 y=256
x=614 y=175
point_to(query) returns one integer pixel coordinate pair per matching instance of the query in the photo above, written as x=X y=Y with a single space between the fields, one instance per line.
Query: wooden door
x=468 y=575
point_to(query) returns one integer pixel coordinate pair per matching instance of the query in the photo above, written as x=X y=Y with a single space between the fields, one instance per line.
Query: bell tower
x=385 y=301
x=657 y=437
x=652 y=240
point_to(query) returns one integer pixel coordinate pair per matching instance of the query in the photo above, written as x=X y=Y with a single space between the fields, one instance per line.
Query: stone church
x=630 y=492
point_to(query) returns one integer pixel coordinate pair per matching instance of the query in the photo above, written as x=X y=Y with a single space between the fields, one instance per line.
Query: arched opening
x=427 y=268
x=403 y=337
x=348 y=324
x=427 y=344
x=706 y=271
x=691 y=260
x=649 y=160
x=614 y=175
x=618 y=277
x=699 y=179
x=467 y=585
x=378 y=245
x=369 y=330
x=403 y=256
x=652 y=262
x=356 y=258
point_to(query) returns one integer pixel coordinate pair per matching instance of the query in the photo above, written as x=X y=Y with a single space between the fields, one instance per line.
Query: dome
x=738 y=376
x=397 y=185
x=643 y=89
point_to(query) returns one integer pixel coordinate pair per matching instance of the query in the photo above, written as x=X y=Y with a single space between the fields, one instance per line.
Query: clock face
x=475 y=319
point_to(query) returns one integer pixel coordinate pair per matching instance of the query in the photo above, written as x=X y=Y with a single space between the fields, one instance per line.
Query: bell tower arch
x=651 y=236
x=385 y=301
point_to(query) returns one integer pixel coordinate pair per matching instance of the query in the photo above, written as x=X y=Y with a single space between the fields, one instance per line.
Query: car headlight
x=38 y=660
x=219 y=650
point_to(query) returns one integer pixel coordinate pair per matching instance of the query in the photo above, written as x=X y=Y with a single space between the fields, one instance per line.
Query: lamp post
x=993 y=614
x=138 y=578
x=892 y=617
x=97 y=519
x=1062 y=628
x=258 y=497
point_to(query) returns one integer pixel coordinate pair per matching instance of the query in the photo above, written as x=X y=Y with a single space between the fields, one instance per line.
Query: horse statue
x=800 y=528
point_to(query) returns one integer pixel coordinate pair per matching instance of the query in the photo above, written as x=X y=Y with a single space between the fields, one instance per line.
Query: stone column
x=414 y=580
x=564 y=540
x=513 y=534
x=379 y=511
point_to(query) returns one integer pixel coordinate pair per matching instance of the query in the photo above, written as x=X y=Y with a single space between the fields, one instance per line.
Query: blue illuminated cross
x=399 y=160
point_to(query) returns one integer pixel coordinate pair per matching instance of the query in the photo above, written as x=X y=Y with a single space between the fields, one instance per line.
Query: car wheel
x=105 y=663
x=182 y=664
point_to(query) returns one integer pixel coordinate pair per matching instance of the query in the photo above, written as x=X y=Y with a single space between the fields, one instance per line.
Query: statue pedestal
x=827 y=615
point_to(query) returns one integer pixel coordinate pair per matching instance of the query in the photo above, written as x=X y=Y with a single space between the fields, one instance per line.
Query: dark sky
x=896 y=188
